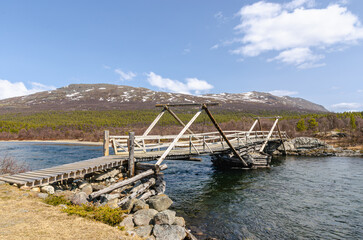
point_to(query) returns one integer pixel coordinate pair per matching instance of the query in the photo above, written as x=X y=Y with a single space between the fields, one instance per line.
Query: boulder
x=179 y=221
x=24 y=188
x=113 y=203
x=165 y=217
x=79 y=198
x=138 y=205
x=169 y=232
x=35 y=189
x=87 y=188
x=143 y=217
x=127 y=222
x=143 y=231
x=97 y=187
x=129 y=205
x=43 y=195
x=160 y=202
x=105 y=175
x=47 y=189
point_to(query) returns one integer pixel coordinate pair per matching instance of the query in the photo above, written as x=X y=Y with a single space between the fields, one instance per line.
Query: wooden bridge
x=241 y=149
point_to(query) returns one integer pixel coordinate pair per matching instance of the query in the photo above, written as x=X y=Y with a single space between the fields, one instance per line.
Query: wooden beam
x=186 y=104
x=106 y=143
x=152 y=125
x=269 y=135
x=176 y=139
x=282 y=141
x=125 y=182
x=178 y=119
x=131 y=154
x=224 y=136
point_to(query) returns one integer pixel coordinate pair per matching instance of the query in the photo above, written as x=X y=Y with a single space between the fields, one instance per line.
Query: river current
x=297 y=198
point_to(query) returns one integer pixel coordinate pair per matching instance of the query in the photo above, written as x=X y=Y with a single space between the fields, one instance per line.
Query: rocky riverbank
x=308 y=146
x=145 y=214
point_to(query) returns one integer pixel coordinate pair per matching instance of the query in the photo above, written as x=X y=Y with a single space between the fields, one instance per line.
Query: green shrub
x=300 y=126
x=56 y=200
x=313 y=124
x=103 y=214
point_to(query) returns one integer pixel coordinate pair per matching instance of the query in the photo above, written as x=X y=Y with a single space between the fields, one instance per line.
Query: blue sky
x=301 y=48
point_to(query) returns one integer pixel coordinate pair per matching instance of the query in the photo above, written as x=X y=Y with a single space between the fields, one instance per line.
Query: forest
x=89 y=125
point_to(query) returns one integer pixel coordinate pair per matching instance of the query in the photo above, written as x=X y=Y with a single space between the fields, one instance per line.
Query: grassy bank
x=25 y=217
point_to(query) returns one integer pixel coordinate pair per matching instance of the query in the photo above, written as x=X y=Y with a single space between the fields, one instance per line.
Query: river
x=298 y=198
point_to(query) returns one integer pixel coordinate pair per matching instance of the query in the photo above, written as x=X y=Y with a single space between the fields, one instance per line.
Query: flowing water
x=298 y=198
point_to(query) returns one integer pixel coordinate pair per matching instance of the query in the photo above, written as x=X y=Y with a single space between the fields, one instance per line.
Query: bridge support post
x=131 y=154
x=106 y=143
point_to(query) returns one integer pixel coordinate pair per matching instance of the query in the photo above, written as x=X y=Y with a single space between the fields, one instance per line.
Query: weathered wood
x=126 y=182
x=106 y=143
x=148 y=194
x=177 y=119
x=176 y=139
x=152 y=125
x=186 y=104
x=223 y=135
x=136 y=191
x=269 y=135
x=131 y=161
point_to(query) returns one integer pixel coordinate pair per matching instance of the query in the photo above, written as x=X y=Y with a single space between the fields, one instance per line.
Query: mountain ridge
x=120 y=97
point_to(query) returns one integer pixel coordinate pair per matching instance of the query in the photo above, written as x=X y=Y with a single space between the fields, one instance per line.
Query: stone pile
x=148 y=217
x=153 y=220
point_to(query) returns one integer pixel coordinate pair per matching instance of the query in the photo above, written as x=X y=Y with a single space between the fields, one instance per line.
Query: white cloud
x=125 y=76
x=351 y=107
x=9 y=89
x=360 y=90
x=300 y=57
x=192 y=85
x=295 y=27
x=186 y=51
x=216 y=46
x=281 y=93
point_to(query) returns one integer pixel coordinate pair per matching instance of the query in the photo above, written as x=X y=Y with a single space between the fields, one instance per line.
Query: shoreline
x=61 y=142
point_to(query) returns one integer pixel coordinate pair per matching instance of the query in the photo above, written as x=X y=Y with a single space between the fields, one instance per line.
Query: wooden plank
x=224 y=136
x=125 y=182
x=131 y=162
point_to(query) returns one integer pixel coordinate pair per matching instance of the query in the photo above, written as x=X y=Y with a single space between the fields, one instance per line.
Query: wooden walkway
x=150 y=147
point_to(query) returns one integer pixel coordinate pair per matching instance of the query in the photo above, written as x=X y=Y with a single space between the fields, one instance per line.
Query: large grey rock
x=143 y=217
x=87 y=188
x=43 y=195
x=47 y=189
x=138 y=205
x=165 y=217
x=160 y=202
x=127 y=222
x=143 y=231
x=79 y=198
x=169 y=232
x=129 y=205
x=179 y=221
x=113 y=203
x=109 y=174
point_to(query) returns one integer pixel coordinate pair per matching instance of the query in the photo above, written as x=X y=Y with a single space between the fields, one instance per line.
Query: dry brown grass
x=26 y=217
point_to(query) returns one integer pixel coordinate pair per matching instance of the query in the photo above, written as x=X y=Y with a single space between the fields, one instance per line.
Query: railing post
x=203 y=143
x=190 y=144
x=106 y=143
x=238 y=139
x=131 y=154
